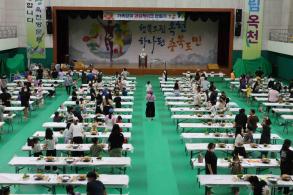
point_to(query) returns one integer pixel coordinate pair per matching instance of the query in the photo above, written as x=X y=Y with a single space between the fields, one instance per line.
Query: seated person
x=96 y=148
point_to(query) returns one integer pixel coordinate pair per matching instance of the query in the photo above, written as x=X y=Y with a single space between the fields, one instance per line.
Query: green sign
x=35 y=29
x=253 y=26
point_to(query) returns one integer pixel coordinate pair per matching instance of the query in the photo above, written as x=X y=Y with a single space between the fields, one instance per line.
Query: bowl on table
x=75 y=146
x=209 y=123
x=222 y=124
x=253 y=145
x=39 y=177
x=265 y=160
x=94 y=132
x=272 y=180
x=69 y=160
x=285 y=177
x=65 y=178
x=49 y=159
x=86 y=159
x=222 y=145
x=81 y=177
x=217 y=134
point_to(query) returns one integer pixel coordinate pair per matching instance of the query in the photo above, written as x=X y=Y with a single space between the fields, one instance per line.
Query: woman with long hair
x=115 y=140
x=150 y=105
x=50 y=145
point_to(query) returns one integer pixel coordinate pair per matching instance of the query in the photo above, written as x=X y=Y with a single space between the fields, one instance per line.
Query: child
x=248 y=93
x=36 y=147
x=96 y=149
x=236 y=169
x=67 y=134
x=124 y=92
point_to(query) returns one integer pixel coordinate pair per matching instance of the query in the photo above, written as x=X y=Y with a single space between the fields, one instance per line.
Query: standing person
x=1 y=112
x=241 y=119
x=176 y=88
x=115 y=140
x=77 y=132
x=110 y=120
x=148 y=86
x=117 y=101
x=50 y=145
x=92 y=92
x=252 y=121
x=39 y=73
x=286 y=163
x=57 y=118
x=265 y=137
x=94 y=186
x=83 y=78
x=213 y=97
x=205 y=85
x=210 y=163
x=165 y=75
x=36 y=147
x=68 y=83
x=273 y=96
x=24 y=96
x=150 y=105
x=5 y=97
x=124 y=73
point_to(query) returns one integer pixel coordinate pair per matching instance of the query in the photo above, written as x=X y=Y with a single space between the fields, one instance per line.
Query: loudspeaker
x=48 y=13
x=238 y=29
x=49 y=27
x=238 y=15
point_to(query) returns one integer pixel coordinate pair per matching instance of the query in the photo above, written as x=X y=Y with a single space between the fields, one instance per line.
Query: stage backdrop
x=176 y=43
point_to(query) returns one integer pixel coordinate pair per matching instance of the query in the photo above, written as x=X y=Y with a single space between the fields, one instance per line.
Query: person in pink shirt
x=273 y=96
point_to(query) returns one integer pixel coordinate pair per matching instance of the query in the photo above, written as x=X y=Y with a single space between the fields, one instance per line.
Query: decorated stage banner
x=144 y=16
x=253 y=26
x=35 y=28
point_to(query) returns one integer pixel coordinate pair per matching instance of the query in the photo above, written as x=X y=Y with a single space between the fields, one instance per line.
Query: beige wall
x=2 y=12
x=272 y=14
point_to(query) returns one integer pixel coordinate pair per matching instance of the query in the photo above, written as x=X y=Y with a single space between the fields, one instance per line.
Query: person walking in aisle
x=150 y=105
x=68 y=83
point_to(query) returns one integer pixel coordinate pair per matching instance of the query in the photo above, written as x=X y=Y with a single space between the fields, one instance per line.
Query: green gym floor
x=159 y=163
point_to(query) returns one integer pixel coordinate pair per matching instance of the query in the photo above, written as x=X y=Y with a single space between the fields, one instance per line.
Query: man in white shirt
x=124 y=73
x=205 y=84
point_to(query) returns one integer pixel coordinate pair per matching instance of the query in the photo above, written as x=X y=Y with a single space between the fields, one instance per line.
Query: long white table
x=93 y=103
x=63 y=125
x=233 y=181
x=218 y=126
x=89 y=135
x=52 y=180
x=116 y=110
x=257 y=164
x=191 y=103
x=80 y=148
x=21 y=162
x=198 y=147
x=190 y=137
x=93 y=116
x=198 y=110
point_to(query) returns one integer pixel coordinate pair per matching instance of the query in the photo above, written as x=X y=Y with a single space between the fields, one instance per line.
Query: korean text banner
x=253 y=26
x=144 y=16
x=35 y=28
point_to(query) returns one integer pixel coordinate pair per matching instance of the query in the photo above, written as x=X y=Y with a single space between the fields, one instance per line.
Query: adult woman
x=150 y=105
x=50 y=145
x=286 y=163
x=24 y=96
x=210 y=162
x=77 y=132
x=148 y=86
x=5 y=97
x=239 y=149
x=92 y=92
x=252 y=121
x=107 y=105
x=176 y=88
x=110 y=120
x=259 y=187
x=115 y=140
x=265 y=137
x=165 y=75
x=241 y=119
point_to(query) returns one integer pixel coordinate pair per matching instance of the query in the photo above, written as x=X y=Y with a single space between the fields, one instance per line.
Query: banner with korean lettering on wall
x=253 y=27
x=35 y=28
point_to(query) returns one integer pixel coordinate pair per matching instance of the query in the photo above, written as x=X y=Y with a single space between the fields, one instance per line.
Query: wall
x=282 y=65
x=2 y=12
